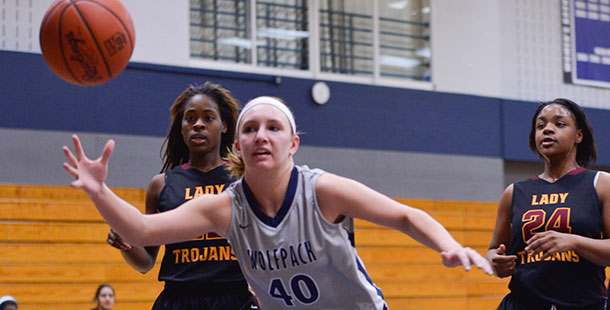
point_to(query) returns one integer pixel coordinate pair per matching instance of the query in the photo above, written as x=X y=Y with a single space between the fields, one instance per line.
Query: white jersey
x=298 y=260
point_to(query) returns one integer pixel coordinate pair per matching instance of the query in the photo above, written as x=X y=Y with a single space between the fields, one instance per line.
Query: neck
x=205 y=162
x=269 y=188
x=555 y=170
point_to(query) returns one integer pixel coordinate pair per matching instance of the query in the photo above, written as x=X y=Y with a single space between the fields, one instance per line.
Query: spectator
x=104 y=297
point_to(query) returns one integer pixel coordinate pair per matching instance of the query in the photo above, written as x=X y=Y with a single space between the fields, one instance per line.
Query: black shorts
x=196 y=298
x=511 y=303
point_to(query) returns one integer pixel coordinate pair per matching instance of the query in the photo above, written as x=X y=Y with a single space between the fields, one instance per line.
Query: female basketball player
x=104 y=297
x=201 y=273
x=283 y=221
x=548 y=232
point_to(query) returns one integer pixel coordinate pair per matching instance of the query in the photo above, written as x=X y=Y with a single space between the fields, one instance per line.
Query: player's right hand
x=116 y=241
x=88 y=174
x=503 y=265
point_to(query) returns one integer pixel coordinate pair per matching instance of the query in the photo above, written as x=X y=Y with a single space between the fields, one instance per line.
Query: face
x=105 y=299
x=202 y=125
x=265 y=138
x=10 y=307
x=556 y=132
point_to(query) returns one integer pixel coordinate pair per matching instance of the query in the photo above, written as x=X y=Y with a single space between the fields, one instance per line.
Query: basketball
x=87 y=42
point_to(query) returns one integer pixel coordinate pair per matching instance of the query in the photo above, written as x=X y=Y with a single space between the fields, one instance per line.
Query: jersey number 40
x=303 y=288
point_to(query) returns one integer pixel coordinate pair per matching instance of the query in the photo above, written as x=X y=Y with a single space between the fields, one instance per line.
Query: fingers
x=71 y=170
x=78 y=148
x=460 y=256
x=116 y=241
x=541 y=243
x=107 y=151
x=479 y=261
x=504 y=258
x=76 y=184
x=501 y=249
x=71 y=159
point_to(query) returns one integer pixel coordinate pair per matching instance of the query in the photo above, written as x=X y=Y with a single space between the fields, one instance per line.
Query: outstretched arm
x=141 y=259
x=594 y=250
x=338 y=196
x=205 y=214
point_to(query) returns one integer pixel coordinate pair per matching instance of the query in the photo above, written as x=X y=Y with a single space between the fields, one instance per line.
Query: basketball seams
x=61 y=46
x=97 y=45
x=117 y=18
x=47 y=16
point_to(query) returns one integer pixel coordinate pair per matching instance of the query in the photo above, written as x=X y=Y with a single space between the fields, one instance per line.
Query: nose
x=199 y=124
x=548 y=129
x=261 y=134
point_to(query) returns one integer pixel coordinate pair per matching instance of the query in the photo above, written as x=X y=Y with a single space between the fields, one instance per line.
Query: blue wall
x=357 y=116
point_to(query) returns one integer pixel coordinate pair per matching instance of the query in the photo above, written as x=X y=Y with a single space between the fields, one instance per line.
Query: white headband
x=270 y=101
x=7 y=298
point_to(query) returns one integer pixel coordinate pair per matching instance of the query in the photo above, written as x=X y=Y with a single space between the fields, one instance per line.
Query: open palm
x=89 y=174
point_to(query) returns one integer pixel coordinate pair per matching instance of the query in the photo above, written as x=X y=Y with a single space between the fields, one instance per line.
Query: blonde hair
x=237 y=167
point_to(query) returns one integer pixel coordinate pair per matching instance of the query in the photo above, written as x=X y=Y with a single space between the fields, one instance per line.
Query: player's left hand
x=549 y=243
x=465 y=257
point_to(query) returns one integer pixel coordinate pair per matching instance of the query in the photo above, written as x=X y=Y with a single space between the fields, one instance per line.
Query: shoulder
x=507 y=198
x=152 y=192
x=330 y=187
x=508 y=191
x=327 y=182
x=156 y=184
x=603 y=185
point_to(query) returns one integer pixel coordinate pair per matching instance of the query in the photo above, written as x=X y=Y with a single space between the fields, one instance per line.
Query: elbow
x=144 y=269
x=408 y=220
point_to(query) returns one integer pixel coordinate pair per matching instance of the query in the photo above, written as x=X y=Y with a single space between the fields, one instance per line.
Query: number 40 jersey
x=298 y=260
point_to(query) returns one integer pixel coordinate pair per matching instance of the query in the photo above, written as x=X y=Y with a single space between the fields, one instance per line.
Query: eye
x=209 y=118
x=560 y=124
x=248 y=129
x=189 y=118
x=274 y=128
x=540 y=126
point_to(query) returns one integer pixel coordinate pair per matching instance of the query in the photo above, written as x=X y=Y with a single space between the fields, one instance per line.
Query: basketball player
x=285 y=222
x=548 y=233
x=201 y=273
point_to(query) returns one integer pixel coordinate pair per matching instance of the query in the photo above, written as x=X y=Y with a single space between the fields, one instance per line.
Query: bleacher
x=54 y=251
x=55 y=255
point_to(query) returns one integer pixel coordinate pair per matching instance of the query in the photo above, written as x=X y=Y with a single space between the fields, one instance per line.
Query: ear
x=579 y=136
x=294 y=145
x=224 y=127
x=237 y=148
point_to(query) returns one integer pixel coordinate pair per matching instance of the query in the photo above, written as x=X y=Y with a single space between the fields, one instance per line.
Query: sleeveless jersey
x=298 y=259
x=207 y=260
x=570 y=205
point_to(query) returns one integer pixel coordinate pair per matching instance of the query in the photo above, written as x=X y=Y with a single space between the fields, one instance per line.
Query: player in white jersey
x=285 y=223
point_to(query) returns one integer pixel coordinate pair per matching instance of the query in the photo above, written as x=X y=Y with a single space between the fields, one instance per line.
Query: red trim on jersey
x=572 y=172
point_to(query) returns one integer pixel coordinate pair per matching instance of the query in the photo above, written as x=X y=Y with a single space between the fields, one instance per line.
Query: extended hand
x=549 y=243
x=504 y=265
x=465 y=257
x=89 y=174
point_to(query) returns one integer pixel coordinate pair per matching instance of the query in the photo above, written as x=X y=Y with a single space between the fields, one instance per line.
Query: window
x=375 y=40
x=404 y=39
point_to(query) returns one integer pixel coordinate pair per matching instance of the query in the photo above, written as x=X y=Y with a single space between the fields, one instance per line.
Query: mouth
x=548 y=141
x=198 y=138
x=261 y=152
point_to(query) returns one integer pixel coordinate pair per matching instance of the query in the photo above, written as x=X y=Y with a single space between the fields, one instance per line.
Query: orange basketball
x=87 y=42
